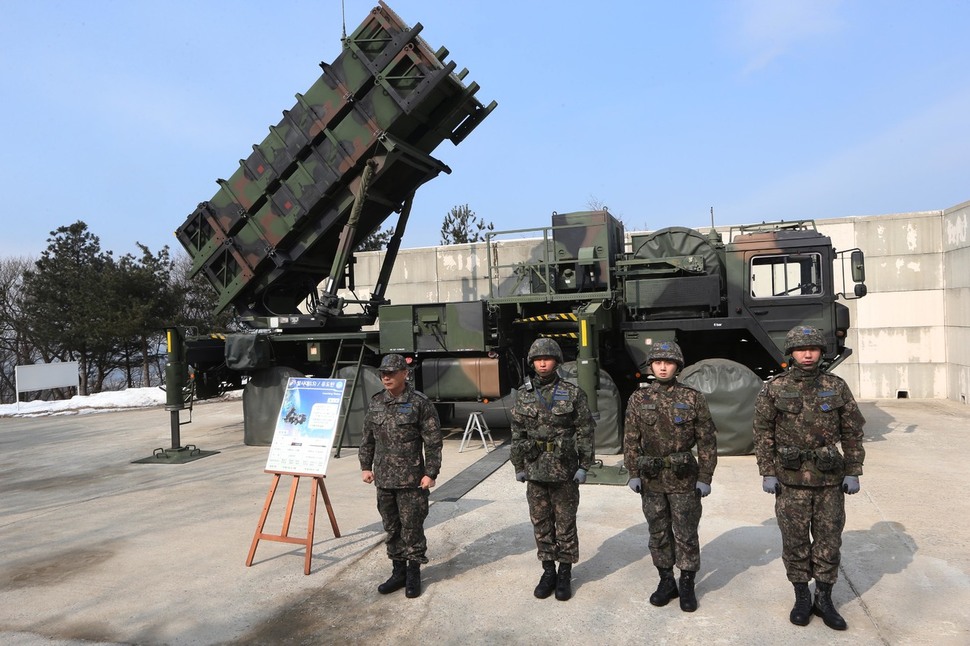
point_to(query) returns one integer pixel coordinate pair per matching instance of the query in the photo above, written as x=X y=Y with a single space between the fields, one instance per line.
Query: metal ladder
x=354 y=350
x=476 y=422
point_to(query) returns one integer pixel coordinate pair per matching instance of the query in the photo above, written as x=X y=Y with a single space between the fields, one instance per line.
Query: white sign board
x=306 y=426
x=41 y=376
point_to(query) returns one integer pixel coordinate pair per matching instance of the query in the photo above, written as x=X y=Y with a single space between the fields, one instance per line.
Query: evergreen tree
x=462 y=225
x=64 y=303
x=144 y=302
x=197 y=301
x=376 y=241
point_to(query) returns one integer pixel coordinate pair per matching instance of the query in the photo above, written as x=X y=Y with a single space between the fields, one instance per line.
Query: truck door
x=789 y=288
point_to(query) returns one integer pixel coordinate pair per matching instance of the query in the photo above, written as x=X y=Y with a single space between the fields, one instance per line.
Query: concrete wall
x=901 y=323
x=956 y=300
x=910 y=334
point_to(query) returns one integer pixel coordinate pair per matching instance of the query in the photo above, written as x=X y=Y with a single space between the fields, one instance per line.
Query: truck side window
x=786 y=275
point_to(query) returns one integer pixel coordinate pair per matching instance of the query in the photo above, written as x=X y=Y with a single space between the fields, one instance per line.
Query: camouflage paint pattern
x=801 y=419
x=672 y=521
x=810 y=414
x=664 y=422
x=403 y=512
x=552 y=510
x=552 y=437
x=401 y=443
x=401 y=440
x=552 y=431
x=587 y=242
x=461 y=379
x=811 y=520
x=386 y=96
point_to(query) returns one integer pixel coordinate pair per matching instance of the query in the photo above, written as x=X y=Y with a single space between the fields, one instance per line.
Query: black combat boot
x=548 y=581
x=564 y=587
x=801 y=612
x=412 y=580
x=688 y=600
x=396 y=582
x=824 y=608
x=667 y=589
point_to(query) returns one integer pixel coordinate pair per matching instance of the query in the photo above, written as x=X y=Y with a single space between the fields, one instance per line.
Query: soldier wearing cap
x=552 y=449
x=801 y=419
x=664 y=421
x=400 y=452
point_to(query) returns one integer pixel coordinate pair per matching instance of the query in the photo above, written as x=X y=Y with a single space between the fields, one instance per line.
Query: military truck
x=277 y=243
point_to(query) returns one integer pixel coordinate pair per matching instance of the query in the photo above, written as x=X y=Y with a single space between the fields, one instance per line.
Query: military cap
x=393 y=363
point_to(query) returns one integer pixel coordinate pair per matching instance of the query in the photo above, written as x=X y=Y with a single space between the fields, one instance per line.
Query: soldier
x=800 y=418
x=552 y=449
x=400 y=452
x=664 y=421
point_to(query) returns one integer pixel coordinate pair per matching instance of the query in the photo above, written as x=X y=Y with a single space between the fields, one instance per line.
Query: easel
x=284 y=537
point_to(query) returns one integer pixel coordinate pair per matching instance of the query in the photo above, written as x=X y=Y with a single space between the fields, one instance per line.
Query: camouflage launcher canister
x=265 y=238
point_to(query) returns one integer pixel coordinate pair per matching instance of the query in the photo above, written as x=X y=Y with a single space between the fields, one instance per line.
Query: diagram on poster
x=306 y=426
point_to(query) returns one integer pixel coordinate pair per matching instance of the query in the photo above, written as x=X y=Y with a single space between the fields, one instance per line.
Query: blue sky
x=122 y=113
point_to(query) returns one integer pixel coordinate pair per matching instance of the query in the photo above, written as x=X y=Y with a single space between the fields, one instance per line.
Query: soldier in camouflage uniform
x=400 y=452
x=800 y=419
x=552 y=449
x=664 y=421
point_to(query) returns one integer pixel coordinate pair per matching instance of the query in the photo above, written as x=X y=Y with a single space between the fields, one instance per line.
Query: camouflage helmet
x=543 y=347
x=803 y=336
x=668 y=351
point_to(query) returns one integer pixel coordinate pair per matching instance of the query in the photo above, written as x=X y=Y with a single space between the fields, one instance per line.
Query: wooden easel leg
x=311 y=524
x=326 y=499
x=289 y=506
x=262 y=519
x=284 y=537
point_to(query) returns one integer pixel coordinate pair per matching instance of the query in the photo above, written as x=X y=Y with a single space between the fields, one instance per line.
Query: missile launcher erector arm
x=278 y=227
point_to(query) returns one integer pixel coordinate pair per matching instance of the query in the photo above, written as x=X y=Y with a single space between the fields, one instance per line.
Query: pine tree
x=64 y=302
x=461 y=225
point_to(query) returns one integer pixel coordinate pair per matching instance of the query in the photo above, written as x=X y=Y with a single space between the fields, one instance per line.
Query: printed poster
x=306 y=426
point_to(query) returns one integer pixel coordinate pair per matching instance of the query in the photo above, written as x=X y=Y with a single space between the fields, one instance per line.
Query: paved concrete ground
x=97 y=549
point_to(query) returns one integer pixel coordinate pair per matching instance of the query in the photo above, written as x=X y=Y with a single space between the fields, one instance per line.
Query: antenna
x=343 y=20
x=712 y=217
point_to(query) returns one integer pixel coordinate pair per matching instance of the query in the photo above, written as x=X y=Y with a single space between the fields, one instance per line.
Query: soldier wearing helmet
x=552 y=449
x=664 y=421
x=802 y=418
x=804 y=337
x=400 y=452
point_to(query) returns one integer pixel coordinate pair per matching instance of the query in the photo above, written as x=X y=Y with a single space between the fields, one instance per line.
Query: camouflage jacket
x=401 y=441
x=552 y=431
x=800 y=418
x=664 y=422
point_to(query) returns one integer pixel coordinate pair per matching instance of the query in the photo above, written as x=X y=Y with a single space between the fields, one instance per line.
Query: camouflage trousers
x=403 y=512
x=552 y=509
x=811 y=520
x=673 y=519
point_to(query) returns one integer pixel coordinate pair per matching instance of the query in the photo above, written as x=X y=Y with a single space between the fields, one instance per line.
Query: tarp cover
x=731 y=390
x=608 y=435
x=248 y=352
x=262 y=398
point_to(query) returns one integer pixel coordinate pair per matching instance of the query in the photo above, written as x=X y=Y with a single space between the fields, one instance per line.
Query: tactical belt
x=824 y=457
x=545 y=445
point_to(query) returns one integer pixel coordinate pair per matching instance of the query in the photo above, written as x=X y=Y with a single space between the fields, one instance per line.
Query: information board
x=306 y=426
